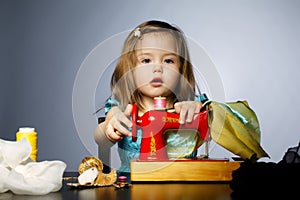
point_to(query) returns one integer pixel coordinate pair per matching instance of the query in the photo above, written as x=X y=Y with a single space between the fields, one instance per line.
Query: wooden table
x=154 y=190
x=140 y=191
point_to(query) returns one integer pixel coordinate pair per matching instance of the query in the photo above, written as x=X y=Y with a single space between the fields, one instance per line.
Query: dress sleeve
x=201 y=98
x=110 y=102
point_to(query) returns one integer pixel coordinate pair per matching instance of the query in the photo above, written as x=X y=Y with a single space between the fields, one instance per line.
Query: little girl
x=154 y=62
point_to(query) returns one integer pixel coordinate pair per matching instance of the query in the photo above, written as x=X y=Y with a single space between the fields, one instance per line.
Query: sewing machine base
x=183 y=170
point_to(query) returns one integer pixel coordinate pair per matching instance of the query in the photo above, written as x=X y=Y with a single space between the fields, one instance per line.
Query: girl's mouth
x=156 y=82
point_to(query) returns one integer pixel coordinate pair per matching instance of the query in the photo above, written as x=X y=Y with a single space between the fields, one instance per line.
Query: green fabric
x=181 y=143
x=235 y=127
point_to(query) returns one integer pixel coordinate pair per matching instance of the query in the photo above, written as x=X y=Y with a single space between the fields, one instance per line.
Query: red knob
x=134 y=116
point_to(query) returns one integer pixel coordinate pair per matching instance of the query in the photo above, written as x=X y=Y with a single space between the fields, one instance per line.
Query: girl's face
x=157 y=69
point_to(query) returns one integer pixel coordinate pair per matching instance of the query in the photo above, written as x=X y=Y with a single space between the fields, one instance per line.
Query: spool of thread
x=30 y=134
x=160 y=103
x=122 y=179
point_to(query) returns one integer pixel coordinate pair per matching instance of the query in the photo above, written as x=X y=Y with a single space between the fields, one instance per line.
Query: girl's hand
x=117 y=123
x=187 y=109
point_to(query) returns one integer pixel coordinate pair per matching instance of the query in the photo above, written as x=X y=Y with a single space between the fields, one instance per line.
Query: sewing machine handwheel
x=134 y=116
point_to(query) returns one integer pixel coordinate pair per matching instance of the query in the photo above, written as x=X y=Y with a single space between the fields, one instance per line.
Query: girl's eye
x=146 y=61
x=169 y=61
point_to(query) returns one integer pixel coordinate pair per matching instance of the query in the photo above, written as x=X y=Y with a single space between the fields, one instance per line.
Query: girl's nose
x=158 y=68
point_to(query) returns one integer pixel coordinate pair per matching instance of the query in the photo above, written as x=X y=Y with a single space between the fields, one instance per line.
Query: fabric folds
x=20 y=175
x=235 y=127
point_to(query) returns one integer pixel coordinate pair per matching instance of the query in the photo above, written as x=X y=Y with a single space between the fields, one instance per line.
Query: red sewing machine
x=154 y=162
x=155 y=125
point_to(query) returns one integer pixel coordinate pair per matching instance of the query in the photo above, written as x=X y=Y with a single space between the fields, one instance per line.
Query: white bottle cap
x=26 y=130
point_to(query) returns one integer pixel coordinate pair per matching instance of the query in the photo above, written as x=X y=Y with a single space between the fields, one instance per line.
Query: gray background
x=254 y=46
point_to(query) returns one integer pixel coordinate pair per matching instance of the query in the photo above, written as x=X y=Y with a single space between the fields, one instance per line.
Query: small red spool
x=160 y=103
x=122 y=179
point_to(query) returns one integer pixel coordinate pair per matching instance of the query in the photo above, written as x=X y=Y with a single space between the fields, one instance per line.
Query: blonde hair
x=122 y=81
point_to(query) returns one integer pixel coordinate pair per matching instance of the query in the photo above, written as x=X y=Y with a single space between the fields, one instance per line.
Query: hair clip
x=137 y=32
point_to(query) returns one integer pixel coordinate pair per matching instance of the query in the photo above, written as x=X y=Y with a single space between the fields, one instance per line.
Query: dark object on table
x=263 y=179
x=292 y=155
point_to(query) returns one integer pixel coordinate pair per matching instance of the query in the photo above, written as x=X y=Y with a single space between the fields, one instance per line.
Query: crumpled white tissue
x=20 y=175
